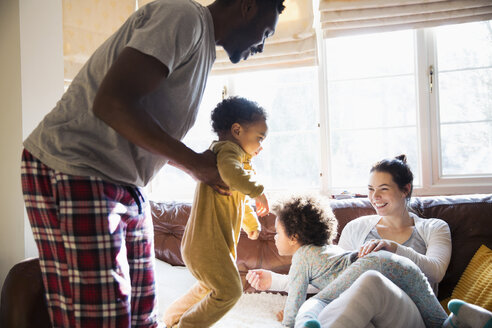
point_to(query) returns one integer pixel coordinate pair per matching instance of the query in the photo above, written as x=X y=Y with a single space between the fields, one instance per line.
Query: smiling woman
x=394 y=228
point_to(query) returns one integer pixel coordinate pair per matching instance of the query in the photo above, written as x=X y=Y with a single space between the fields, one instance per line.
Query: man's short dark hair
x=278 y=4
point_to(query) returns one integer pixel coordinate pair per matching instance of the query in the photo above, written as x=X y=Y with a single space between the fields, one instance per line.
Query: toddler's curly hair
x=308 y=218
x=235 y=110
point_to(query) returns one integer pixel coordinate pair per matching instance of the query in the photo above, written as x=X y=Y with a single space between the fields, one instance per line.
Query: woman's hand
x=375 y=245
x=259 y=279
x=262 y=207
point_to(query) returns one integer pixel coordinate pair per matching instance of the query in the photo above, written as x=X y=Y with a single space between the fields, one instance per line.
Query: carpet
x=253 y=310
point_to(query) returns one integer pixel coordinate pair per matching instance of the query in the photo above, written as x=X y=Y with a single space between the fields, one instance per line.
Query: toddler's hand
x=262 y=207
x=253 y=235
x=280 y=315
x=259 y=279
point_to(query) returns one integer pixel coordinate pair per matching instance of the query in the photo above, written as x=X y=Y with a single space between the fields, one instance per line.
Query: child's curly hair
x=308 y=218
x=235 y=110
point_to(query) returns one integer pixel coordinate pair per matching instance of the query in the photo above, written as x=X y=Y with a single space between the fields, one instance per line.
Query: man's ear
x=248 y=8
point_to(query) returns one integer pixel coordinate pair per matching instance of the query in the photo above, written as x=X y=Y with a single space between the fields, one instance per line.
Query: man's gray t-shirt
x=70 y=139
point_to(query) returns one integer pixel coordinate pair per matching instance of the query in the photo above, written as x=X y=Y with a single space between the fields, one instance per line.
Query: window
x=372 y=104
x=380 y=103
x=171 y=183
x=290 y=156
x=373 y=98
x=464 y=75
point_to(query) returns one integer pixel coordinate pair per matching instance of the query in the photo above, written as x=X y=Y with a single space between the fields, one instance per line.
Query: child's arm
x=250 y=222
x=298 y=284
x=262 y=207
x=234 y=175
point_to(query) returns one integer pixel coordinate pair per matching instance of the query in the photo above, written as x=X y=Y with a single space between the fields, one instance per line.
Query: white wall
x=41 y=71
x=31 y=62
x=12 y=215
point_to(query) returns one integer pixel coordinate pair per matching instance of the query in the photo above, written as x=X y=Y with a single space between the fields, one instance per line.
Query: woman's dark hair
x=308 y=218
x=235 y=110
x=399 y=170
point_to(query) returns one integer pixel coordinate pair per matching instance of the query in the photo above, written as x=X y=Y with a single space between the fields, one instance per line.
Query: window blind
x=86 y=25
x=346 y=17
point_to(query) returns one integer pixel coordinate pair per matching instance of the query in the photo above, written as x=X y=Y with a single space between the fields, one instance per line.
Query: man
x=118 y=123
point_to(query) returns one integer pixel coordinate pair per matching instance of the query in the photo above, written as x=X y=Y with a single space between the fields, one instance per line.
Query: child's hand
x=253 y=235
x=262 y=207
x=259 y=279
x=280 y=315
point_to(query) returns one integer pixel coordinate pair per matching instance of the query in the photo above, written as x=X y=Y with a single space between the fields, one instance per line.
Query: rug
x=253 y=310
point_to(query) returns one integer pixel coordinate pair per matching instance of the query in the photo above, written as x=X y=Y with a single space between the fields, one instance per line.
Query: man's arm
x=132 y=76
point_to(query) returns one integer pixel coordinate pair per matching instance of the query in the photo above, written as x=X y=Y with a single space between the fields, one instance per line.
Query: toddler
x=212 y=232
x=305 y=228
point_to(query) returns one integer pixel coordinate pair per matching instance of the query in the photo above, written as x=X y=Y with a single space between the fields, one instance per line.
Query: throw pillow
x=475 y=285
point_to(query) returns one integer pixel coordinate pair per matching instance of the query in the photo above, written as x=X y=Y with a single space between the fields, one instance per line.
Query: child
x=305 y=229
x=211 y=235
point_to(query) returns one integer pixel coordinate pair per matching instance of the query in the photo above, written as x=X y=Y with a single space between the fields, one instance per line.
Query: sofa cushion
x=475 y=285
x=23 y=304
x=169 y=223
x=469 y=218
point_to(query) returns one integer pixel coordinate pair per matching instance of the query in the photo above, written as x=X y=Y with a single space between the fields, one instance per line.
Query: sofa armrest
x=23 y=304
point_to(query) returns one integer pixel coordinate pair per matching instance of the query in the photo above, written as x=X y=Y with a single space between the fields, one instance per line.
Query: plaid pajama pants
x=95 y=242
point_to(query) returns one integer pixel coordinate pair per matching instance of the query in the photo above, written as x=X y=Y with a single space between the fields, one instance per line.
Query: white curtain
x=346 y=17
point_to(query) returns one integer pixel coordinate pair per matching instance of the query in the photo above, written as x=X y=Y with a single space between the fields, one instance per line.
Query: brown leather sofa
x=469 y=217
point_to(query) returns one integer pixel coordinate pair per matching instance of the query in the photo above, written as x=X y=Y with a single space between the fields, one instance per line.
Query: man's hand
x=259 y=279
x=203 y=168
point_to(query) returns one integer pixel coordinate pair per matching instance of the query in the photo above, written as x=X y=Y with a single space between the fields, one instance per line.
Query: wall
x=31 y=62
x=11 y=220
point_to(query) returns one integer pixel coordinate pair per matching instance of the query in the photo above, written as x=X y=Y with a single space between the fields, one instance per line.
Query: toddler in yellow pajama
x=212 y=233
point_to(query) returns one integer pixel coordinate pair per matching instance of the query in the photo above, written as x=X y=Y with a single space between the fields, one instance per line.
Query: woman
x=427 y=242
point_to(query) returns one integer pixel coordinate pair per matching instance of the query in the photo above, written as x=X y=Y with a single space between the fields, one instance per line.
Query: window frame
x=428 y=125
x=439 y=183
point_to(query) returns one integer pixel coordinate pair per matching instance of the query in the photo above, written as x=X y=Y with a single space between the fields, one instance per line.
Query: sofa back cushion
x=169 y=223
x=469 y=218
